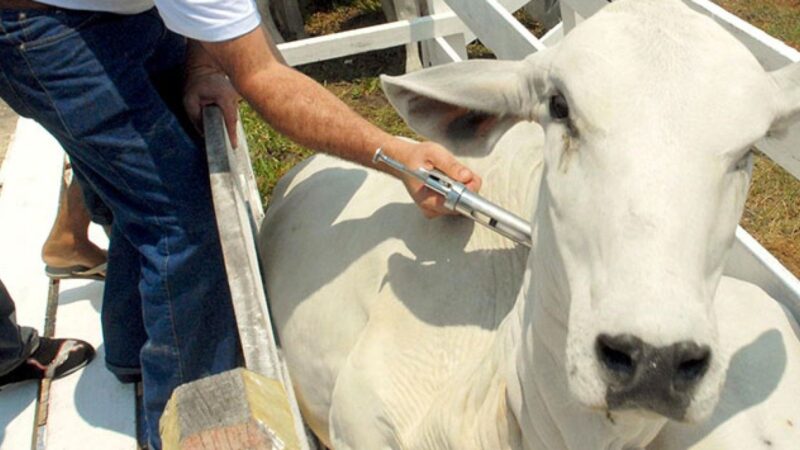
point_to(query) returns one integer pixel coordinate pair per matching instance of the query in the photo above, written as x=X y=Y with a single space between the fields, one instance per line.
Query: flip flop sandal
x=77 y=272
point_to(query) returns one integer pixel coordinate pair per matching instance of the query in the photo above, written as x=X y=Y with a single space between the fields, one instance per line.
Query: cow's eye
x=559 y=109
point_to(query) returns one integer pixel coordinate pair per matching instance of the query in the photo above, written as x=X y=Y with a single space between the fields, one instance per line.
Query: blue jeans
x=91 y=79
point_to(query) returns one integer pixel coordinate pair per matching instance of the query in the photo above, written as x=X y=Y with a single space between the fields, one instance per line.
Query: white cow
x=628 y=145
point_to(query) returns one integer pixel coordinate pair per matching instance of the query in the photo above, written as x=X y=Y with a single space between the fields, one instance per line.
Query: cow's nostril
x=616 y=354
x=616 y=360
x=693 y=362
x=692 y=368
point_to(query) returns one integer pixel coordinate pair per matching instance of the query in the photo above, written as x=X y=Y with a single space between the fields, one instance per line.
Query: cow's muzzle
x=642 y=376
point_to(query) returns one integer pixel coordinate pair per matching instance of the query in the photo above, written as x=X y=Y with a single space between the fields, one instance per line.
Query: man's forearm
x=305 y=111
x=295 y=104
x=309 y=114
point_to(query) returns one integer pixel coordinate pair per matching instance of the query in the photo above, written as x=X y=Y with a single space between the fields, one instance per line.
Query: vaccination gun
x=467 y=203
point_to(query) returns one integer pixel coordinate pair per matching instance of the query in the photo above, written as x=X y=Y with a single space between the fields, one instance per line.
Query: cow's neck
x=516 y=396
x=534 y=339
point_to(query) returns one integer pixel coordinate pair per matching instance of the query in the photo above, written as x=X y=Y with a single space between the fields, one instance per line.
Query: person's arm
x=206 y=84
x=306 y=112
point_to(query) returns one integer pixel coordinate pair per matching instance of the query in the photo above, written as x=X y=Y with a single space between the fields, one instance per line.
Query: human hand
x=209 y=86
x=430 y=155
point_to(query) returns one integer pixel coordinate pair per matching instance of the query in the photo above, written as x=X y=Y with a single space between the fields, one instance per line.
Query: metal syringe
x=467 y=203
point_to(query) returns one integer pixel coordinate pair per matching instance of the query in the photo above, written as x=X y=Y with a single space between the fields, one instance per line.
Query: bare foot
x=68 y=252
x=68 y=243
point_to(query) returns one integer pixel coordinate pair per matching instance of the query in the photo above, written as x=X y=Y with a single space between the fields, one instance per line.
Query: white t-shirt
x=203 y=20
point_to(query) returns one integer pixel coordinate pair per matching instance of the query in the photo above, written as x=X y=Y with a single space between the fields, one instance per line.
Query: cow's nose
x=640 y=375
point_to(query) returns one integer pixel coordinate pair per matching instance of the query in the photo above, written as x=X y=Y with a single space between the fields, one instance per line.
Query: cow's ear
x=466 y=106
x=788 y=81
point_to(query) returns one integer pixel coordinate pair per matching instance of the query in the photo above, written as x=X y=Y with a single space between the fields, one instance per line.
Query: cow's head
x=650 y=112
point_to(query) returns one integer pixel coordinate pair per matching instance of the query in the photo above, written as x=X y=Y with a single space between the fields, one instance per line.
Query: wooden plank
x=379 y=37
x=234 y=410
x=367 y=39
x=443 y=49
x=43 y=402
x=786 y=151
x=583 y=9
x=439 y=51
x=32 y=174
x=547 y=12
x=554 y=36
x=569 y=17
x=91 y=405
x=496 y=28
x=509 y=5
x=252 y=317
x=407 y=10
x=236 y=231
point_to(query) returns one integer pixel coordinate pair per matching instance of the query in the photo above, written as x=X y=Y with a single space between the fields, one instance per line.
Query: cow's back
x=374 y=304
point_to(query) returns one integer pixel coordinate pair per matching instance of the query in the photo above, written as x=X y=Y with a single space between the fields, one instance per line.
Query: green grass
x=772 y=213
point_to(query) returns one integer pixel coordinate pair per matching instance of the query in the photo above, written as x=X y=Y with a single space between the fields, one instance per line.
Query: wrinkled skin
x=628 y=145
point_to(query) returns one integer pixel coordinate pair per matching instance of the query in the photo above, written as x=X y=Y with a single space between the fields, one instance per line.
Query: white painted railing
x=443 y=23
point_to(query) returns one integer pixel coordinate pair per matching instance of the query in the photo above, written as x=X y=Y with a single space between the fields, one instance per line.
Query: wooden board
x=378 y=37
x=233 y=410
x=367 y=39
x=553 y=36
x=31 y=183
x=231 y=191
x=496 y=28
x=439 y=51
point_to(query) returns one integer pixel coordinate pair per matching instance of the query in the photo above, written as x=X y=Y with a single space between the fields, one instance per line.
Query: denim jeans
x=99 y=212
x=91 y=79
